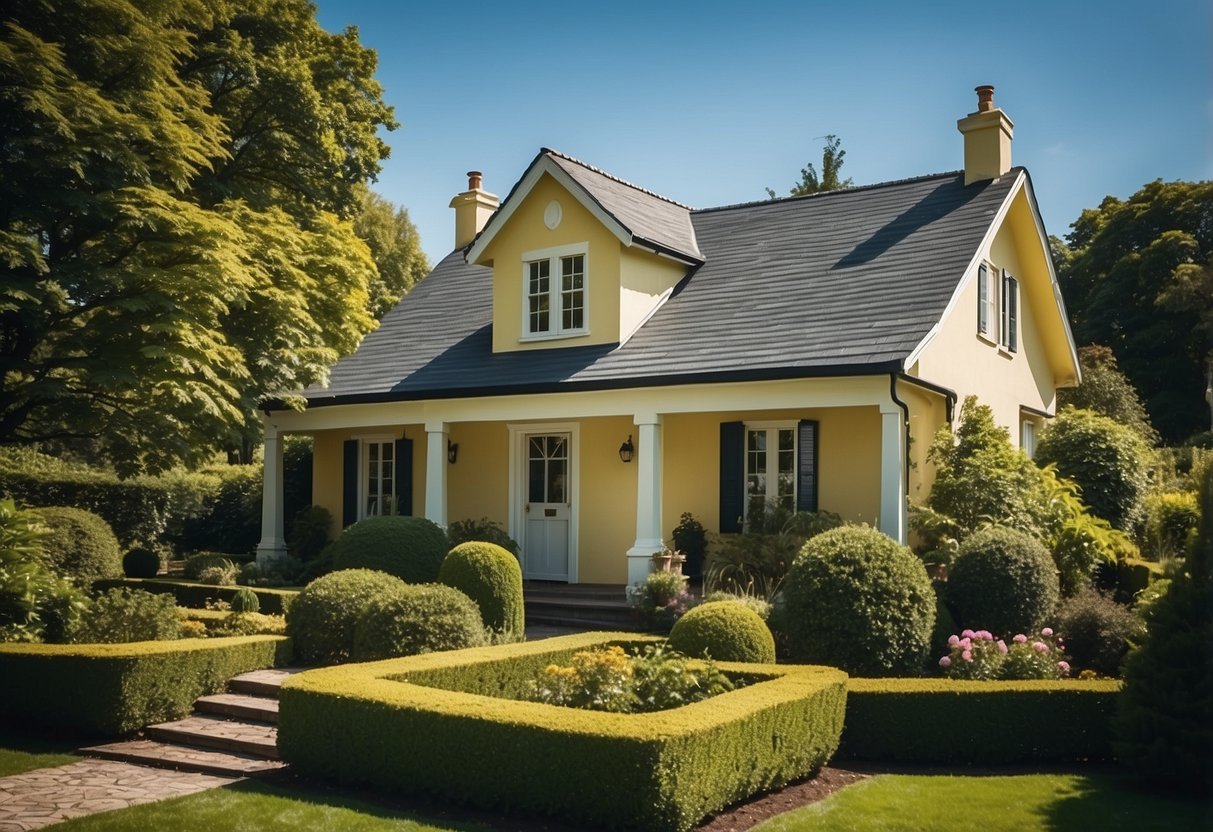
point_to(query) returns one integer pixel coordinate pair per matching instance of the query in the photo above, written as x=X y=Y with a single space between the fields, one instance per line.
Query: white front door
x=547 y=510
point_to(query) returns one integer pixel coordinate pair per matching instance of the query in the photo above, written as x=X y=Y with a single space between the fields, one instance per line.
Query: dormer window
x=555 y=282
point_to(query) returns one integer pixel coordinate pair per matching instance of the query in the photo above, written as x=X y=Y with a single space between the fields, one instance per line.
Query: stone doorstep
x=260 y=708
x=261 y=682
x=183 y=758
x=225 y=735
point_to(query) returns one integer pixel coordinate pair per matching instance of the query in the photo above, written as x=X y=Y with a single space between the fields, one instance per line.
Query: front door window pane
x=548 y=469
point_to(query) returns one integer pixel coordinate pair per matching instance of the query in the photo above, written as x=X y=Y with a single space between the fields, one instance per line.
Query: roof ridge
x=835 y=192
x=613 y=177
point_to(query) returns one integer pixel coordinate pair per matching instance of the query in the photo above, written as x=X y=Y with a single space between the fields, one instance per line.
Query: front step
x=183 y=758
x=210 y=732
x=240 y=706
x=261 y=682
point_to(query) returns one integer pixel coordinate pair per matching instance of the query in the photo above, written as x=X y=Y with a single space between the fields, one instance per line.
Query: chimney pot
x=985 y=98
x=474 y=178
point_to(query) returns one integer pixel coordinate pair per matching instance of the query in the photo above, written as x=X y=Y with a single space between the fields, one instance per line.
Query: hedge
x=956 y=722
x=436 y=724
x=113 y=689
x=192 y=594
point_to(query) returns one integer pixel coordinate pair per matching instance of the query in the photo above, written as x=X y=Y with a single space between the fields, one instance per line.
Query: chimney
x=987 y=139
x=473 y=208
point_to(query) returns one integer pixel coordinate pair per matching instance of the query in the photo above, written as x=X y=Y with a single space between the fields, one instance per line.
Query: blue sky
x=709 y=102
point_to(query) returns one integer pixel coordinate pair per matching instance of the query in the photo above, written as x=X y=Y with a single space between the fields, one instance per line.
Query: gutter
x=905 y=426
x=949 y=395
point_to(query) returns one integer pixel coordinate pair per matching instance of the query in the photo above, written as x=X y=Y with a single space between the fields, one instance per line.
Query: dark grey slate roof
x=842 y=283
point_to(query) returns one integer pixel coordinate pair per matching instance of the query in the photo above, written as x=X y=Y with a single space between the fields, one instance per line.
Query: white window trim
x=993 y=283
x=1027 y=437
x=779 y=424
x=364 y=442
x=555 y=308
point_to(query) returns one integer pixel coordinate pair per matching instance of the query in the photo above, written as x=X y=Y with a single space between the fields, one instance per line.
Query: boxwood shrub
x=416 y=618
x=411 y=548
x=113 y=689
x=1003 y=581
x=196 y=595
x=79 y=544
x=324 y=618
x=954 y=722
x=726 y=631
x=490 y=576
x=411 y=725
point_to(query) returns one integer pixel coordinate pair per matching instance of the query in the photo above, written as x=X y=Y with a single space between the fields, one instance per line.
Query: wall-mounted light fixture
x=452 y=451
x=627 y=450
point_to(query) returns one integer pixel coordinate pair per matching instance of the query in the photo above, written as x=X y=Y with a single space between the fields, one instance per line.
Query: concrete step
x=261 y=682
x=222 y=734
x=241 y=706
x=184 y=758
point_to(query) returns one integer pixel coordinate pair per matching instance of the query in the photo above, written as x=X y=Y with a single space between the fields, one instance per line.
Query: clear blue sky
x=709 y=102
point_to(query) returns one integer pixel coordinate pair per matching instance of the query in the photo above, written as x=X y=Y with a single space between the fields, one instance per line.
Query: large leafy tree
x=176 y=183
x=1105 y=390
x=832 y=156
x=395 y=247
x=1138 y=277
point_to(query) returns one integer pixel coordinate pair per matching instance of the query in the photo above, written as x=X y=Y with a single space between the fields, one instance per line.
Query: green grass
x=262 y=806
x=993 y=804
x=20 y=752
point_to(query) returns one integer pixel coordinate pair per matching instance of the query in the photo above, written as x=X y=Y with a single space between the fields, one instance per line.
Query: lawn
x=993 y=804
x=21 y=752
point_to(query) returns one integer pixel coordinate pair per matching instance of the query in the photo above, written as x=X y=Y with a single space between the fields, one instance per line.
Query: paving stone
x=262 y=682
x=223 y=734
x=185 y=758
x=244 y=706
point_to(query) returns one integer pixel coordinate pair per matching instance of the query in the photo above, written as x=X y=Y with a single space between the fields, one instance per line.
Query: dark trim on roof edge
x=1044 y=414
x=765 y=374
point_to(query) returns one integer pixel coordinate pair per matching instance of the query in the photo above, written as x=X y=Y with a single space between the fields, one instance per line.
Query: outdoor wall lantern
x=452 y=451
x=627 y=450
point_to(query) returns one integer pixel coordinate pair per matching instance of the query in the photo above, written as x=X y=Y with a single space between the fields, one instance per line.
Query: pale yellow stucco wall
x=643 y=280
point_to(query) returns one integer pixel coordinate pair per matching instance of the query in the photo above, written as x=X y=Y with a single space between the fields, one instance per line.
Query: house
x=594 y=359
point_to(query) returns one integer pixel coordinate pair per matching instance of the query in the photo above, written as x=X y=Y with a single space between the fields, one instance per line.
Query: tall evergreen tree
x=832 y=156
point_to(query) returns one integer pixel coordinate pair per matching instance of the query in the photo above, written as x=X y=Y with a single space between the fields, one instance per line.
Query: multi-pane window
x=1009 y=317
x=548 y=468
x=770 y=466
x=379 y=478
x=987 y=295
x=556 y=284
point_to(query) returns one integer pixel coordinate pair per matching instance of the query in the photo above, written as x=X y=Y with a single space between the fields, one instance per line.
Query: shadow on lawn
x=1118 y=802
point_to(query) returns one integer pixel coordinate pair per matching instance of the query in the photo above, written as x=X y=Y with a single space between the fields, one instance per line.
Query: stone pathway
x=49 y=795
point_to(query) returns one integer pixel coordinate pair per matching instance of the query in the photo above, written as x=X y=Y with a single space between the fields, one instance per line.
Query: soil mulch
x=792 y=796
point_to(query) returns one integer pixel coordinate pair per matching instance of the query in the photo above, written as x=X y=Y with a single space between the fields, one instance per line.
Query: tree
x=832 y=156
x=175 y=187
x=395 y=247
x=1136 y=277
x=1105 y=390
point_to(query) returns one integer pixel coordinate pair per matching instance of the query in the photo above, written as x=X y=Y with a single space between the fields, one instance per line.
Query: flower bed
x=957 y=722
x=192 y=594
x=449 y=724
x=112 y=689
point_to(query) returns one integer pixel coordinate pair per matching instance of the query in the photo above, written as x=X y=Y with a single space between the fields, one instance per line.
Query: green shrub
x=219 y=575
x=113 y=689
x=187 y=594
x=322 y=620
x=691 y=538
x=483 y=530
x=245 y=600
x=755 y=563
x=1107 y=460
x=1105 y=389
x=80 y=544
x=124 y=615
x=661 y=600
x=197 y=563
x=667 y=769
x=285 y=570
x=1171 y=521
x=414 y=619
x=411 y=548
x=141 y=562
x=309 y=532
x=492 y=578
x=1097 y=631
x=945 y=626
x=250 y=624
x=230 y=517
x=760 y=607
x=725 y=631
x=35 y=604
x=956 y=723
x=856 y=599
x=1003 y=581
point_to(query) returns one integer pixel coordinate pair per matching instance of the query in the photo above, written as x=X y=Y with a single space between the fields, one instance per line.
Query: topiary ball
x=1003 y=581
x=417 y=619
x=726 y=631
x=411 y=548
x=141 y=563
x=490 y=576
x=856 y=599
x=323 y=617
x=80 y=544
x=245 y=600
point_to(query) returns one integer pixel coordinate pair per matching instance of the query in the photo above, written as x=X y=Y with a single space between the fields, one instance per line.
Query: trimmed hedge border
x=113 y=689
x=437 y=724
x=193 y=594
x=958 y=722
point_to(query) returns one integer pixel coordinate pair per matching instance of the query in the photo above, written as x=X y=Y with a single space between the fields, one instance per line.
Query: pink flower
x=966 y=643
x=983 y=635
x=1046 y=632
x=945 y=662
x=1064 y=667
x=967 y=656
x=966 y=633
x=1040 y=647
x=1002 y=647
x=1020 y=638
x=953 y=641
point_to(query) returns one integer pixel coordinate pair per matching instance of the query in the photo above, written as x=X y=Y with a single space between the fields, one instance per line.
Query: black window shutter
x=404 y=476
x=806 y=465
x=349 y=484
x=732 y=476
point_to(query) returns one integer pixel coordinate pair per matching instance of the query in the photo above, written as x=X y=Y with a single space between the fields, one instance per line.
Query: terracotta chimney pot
x=985 y=98
x=474 y=178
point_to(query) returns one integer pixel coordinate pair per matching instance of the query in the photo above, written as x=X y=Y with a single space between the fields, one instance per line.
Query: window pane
x=557 y=480
x=535 y=484
x=572 y=292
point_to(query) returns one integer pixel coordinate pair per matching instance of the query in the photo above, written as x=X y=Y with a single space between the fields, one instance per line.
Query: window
x=1009 y=317
x=555 y=287
x=770 y=465
x=986 y=299
x=1027 y=439
x=378 y=478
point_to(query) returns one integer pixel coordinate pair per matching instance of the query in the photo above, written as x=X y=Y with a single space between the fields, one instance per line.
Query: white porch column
x=648 y=498
x=273 y=538
x=436 y=436
x=892 y=473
